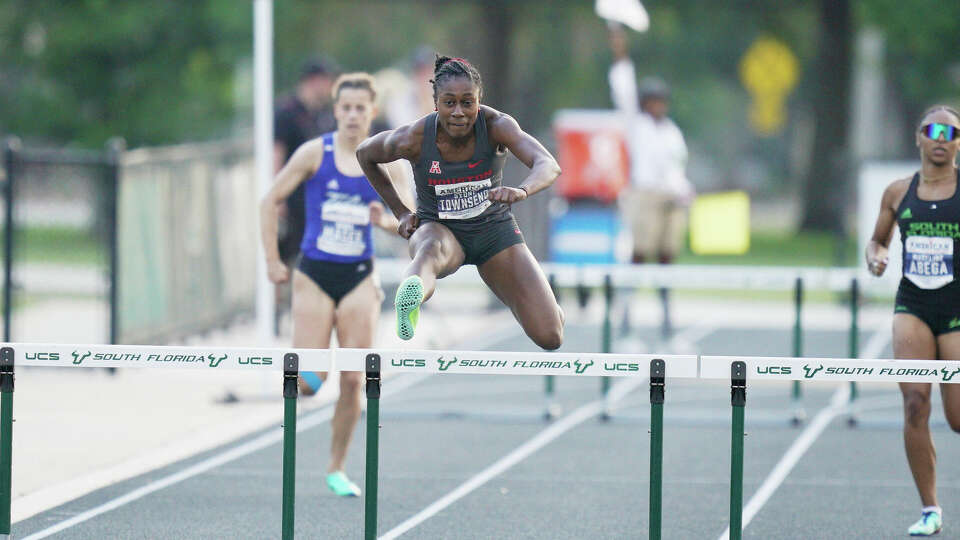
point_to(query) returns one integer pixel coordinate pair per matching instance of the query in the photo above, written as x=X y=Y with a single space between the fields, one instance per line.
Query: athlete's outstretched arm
x=302 y=164
x=544 y=169
x=386 y=147
x=877 y=248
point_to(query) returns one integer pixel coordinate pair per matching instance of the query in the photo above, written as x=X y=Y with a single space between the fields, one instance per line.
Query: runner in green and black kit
x=463 y=215
x=926 y=207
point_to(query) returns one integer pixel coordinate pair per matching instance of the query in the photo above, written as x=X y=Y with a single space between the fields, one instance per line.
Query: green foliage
x=922 y=40
x=81 y=71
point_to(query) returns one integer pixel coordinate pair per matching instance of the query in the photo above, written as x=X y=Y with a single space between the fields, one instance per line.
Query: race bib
x=463 y=201
x=350 y=210
x=344 y=221
x=928 y=261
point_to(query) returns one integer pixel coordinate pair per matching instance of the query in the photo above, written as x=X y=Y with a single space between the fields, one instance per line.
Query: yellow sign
x=769 y=72
x=720 y=224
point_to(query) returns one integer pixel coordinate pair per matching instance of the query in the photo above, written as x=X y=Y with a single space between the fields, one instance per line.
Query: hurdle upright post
x=738 y=399
x=552 y=409
x=373 y=447
x=6 y=438
x=854 y=340
x=291 y=369
x=606 y=345
x=799 y=415
x=657 y=378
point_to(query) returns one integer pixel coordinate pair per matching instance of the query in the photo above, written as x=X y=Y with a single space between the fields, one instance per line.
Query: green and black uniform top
x=457 y=191
x=930 y=233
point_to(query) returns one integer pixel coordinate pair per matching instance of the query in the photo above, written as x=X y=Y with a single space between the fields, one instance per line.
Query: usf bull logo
x=215 y=360
x=79 y=358
x=947 y=375
x=445 y=364
x=810 y=372
x=581 y=367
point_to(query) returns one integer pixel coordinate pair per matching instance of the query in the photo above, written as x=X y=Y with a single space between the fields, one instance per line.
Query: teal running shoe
x=930 y=524
x=407 y=302
x=341 y=486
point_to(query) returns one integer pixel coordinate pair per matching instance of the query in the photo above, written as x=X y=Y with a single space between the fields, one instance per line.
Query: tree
x=826 y=184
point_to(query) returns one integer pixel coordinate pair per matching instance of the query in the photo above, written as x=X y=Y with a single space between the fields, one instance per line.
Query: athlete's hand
x=877 y=261
x=408 y=224
x=277 y=271
x=508 y=195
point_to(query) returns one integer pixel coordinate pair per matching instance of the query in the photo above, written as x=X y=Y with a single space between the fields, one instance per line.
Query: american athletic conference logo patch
x=434 y=168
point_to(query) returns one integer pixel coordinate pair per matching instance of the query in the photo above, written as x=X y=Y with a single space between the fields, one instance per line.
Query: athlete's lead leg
x=436 y=253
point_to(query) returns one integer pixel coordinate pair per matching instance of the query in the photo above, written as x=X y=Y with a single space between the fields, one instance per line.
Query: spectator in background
x=655 y=204
x=302 y=116
x=414 y=99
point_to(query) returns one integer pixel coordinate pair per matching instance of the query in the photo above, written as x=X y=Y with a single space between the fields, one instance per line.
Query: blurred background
x=130 y=201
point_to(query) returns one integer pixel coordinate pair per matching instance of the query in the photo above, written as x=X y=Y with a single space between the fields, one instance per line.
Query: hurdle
x=254 y=360
x=657 y=369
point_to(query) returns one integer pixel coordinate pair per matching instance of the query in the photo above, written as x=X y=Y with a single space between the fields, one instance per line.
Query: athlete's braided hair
x=445 y=67
x=936 y=108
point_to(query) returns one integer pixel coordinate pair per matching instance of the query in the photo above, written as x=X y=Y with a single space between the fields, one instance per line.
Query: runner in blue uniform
x=926 y=320
x=334 y=285
x=463 y=214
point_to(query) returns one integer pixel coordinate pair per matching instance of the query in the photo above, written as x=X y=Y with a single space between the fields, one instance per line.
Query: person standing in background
x=655 y=204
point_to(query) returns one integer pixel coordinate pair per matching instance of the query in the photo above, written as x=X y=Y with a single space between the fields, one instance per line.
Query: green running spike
x=407 y=302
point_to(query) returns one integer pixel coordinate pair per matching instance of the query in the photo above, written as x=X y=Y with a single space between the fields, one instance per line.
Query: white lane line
x=838 y=405
x=247 y=448
x=799 y=447
x=561 y=426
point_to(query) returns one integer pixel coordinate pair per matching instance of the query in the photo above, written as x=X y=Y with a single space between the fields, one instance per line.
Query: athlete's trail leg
x=517 y=279
x=912 y=339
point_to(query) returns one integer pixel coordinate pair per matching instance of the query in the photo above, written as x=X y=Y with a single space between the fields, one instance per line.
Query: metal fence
x=59 y=256
x=188 y=239
x=141 y=246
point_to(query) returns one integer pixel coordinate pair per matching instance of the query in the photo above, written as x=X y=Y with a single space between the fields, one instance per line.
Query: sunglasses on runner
x=935 y=130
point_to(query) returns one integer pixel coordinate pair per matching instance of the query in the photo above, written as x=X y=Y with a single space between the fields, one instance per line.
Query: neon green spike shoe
x=341 y=486
x=930 y=524
x=408 y=299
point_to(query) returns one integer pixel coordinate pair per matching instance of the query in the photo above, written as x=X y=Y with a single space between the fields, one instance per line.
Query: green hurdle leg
x=552 y=409
x=657 y=374
x=291 y=367
x=799 y=415
x=738 y=387
x=854 y=341
x=373 y=447
x=6 y=437
x=607 y=341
